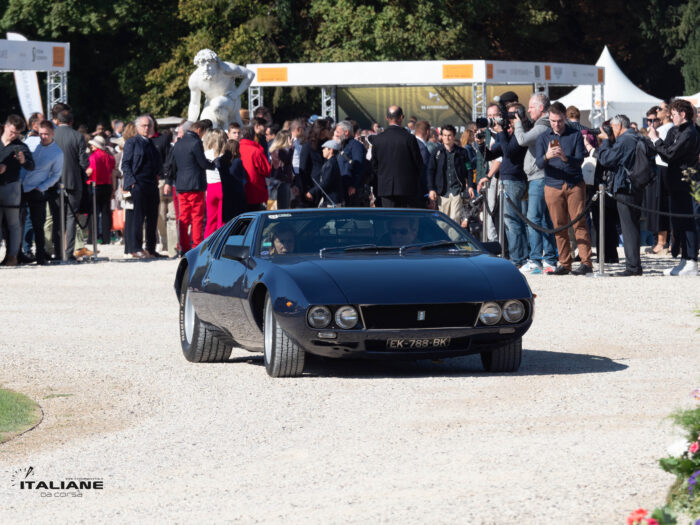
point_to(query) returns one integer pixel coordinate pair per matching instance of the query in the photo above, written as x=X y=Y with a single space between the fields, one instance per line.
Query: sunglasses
x=400 y=231
x=653 y=120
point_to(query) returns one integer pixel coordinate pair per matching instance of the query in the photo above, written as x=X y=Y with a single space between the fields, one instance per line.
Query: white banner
x=34 y=56
x=27 y=86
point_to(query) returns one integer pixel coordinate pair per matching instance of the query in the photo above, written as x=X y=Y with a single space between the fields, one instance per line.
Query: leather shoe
x=582 y=269
x=23 y=258
x=628 y=273
x=560 y=270
x=138 y=255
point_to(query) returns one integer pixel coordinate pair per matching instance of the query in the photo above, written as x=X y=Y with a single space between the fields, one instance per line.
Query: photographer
x=488 y=183
x=537 y=211
x=680 y=149
x=14 y=154
x=619 y=156
x=512 y=175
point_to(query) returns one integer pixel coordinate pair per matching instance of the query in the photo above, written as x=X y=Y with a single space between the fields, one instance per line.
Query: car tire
x=201 y=343
x=283 y=357
x=503 y=358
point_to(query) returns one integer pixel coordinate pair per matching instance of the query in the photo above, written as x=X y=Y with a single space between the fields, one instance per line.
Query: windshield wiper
x=429 y=245
x=354 y=248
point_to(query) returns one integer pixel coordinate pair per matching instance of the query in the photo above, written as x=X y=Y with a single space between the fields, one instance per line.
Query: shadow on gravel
x=534 y=363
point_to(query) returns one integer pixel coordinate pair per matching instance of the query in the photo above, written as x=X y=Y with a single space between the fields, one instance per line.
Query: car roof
x=296 y=211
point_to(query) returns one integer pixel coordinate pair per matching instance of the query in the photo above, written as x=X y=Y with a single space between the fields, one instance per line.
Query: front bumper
x=373 y=343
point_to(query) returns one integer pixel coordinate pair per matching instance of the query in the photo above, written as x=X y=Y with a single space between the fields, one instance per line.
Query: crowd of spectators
x=167 y=191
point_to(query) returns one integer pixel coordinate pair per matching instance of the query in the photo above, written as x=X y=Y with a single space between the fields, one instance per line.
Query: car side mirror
x=493 y=247
x=237 y=253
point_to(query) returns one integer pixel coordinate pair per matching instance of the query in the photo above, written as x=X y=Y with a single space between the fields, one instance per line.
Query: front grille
x=398 y=316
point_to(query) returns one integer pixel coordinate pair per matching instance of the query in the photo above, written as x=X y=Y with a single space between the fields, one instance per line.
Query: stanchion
x=61 y=199
x=93 y=185
x=601 y=234
x=484 y=216
x=501 y=222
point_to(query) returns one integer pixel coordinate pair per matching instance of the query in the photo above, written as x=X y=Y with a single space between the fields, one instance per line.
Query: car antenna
x=334 y=205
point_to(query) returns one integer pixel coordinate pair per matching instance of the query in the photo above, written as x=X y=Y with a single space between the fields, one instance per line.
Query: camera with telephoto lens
x=482 y=122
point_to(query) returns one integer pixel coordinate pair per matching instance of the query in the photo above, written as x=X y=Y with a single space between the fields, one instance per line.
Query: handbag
x=117 y=220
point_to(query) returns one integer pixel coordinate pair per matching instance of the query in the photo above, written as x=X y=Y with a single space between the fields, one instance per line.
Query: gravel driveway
x=573 y=437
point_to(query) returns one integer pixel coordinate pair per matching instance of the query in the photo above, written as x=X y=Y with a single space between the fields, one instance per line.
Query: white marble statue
x=217 y=79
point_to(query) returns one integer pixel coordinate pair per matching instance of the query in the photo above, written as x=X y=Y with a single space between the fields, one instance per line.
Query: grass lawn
x=17 y=414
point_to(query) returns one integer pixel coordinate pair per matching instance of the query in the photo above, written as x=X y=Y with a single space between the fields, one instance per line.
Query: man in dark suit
x=422 y=133
x=75 y=162
x=141 y=166
x=397 y=163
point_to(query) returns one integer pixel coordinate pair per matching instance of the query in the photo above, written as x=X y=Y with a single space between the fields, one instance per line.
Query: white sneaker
x=531 y=267
x=676 y=269
x=548 y=268
x=690 y=269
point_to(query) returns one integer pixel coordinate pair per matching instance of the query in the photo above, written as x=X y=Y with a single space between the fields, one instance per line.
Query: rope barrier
x=656 y=212
x=556 y=230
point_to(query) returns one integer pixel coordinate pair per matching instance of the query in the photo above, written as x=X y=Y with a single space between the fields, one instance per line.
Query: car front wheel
x=504 y=357
x=283 y=357
x=201 y=343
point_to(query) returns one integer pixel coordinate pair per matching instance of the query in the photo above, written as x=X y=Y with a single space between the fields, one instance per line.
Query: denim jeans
x=515 y=228
x=538 y=213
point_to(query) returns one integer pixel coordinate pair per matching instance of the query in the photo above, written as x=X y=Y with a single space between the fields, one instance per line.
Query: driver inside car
x=403 y=230
x=283 y=238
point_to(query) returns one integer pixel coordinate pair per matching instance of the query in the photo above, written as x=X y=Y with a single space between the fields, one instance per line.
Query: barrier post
x=501 y=213
x=485 y=214
x=61 y=200
x=93 y=185
x=601 y=233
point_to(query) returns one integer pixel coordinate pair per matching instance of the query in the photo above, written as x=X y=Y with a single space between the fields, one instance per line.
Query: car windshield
x=335 y=232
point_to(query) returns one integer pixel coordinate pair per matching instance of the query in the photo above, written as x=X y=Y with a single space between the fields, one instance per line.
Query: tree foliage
x=129 y=56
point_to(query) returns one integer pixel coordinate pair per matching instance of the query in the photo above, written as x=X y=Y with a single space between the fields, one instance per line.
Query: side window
x=238 y=232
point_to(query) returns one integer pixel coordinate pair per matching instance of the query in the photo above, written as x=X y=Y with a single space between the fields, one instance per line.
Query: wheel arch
x=257 y=303
x=179 y=274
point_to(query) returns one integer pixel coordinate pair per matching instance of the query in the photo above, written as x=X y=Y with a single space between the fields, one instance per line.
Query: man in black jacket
x=449 y=179
x=680 y=149
x=618 y=157
x=187 y=172
x=141 y=166
x=397 y=163
x=75 y=162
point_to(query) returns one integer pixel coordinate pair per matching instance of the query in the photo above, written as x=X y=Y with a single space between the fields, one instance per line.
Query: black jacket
x=512 y=157
x=428 y=166
x=437 y=179
x=188 y=165
x=75 y=157
x=330 y=180
x=141 y=162
x=397 y=163
x=680 y=150
x=12 y=165
x=618 y=158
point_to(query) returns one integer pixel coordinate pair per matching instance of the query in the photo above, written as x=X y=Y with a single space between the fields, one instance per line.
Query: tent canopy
x=621 y=95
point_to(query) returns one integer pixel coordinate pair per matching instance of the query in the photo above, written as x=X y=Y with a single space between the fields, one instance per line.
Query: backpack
x=644 y=166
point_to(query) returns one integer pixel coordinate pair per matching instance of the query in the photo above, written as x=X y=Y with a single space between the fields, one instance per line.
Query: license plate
x=416 y=344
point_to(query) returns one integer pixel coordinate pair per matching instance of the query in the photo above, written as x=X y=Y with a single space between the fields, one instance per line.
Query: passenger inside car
x=283 y=239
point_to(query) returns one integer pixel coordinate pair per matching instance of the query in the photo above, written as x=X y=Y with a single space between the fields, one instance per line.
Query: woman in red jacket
x=257 y=168
x=101 y=171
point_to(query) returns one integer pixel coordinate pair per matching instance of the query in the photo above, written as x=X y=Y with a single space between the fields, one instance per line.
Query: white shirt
x=213 y=176
x=663 y=131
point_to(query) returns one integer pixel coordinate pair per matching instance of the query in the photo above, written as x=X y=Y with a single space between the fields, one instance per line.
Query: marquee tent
x=693 y=99
x=621 y=95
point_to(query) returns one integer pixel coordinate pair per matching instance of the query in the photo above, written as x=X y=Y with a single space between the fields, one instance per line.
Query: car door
x=224 y=283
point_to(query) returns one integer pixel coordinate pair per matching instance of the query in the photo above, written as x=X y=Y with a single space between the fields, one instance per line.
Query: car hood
x=420 y=278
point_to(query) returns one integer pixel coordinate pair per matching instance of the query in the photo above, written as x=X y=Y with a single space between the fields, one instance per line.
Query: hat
x=508 y=97
x=99 y=142
x=118 y=141
x=332 y=144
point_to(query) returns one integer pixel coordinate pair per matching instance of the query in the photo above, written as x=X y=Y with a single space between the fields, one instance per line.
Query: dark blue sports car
x=365 y=282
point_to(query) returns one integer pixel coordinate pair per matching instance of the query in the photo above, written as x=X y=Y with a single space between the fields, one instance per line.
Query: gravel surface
x=573 y=437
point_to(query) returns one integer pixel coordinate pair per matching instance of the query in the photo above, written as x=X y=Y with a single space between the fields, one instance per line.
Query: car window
x=309 y=232
x=238 y=232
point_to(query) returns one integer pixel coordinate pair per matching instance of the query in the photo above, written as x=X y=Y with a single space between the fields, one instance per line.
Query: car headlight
x=513 y=311
x=319 y=316
x=346 y=317
x=490 y=313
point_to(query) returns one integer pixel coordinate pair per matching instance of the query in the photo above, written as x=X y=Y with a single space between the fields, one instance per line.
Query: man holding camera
x=619 y=157
x=493 y=113
x=537 y=212
x=447 y=182
x=514 y=180
x=560 y=153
